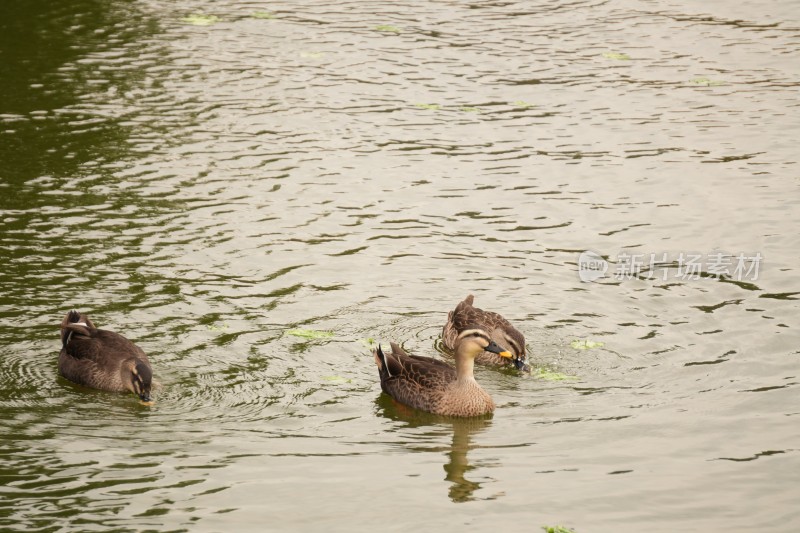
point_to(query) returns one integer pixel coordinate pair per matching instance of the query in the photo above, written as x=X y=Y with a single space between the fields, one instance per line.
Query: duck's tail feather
x=75 y=324
x=382 y=362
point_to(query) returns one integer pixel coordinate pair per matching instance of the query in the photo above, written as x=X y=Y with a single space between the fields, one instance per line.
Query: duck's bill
x=520 y=365
x=146 y=399
x=506 y=354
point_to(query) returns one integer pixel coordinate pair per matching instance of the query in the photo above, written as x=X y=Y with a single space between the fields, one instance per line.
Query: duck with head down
x=500 y=330
x=102 y=359
x=434 y=386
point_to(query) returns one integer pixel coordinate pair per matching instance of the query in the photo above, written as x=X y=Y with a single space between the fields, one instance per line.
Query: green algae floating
x=264 y=15
x=586 y=344
x=387 y=28
x=522 y=104
x=200 y=19
x=616 y=56
x=468 y=109
x=547 y=375
x=309 y=333
x=557 y=529
x=706 y=82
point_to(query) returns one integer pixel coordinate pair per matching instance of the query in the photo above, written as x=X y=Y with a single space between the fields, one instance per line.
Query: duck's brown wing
x=92 y=357
x=99 y=345
x=416 y=381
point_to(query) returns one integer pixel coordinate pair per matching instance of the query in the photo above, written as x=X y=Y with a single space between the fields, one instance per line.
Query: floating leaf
x=263 y=15
x=617 y=55
x=706 y=82
x=585 y=344
x=467 y=109
x=547 y=375
x=557 y=529
x=387 y=28
x=200 y=19
x=337 y=379
x=432 y=107
x=309 y=333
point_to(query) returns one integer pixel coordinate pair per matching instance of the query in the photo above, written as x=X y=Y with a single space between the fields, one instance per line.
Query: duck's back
x=93 y=358
x=419 y=382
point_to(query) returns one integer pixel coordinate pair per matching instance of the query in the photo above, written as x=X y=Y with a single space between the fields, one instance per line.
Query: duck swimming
x=102 y=359
x=500 y=330
x=434 y=386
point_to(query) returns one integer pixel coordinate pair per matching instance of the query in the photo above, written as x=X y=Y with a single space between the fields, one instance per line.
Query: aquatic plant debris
x=469 y=109
x=547 y=375
x=522 y=103
x=223 y=327
x=557 y=529
x=198 y=19
x=369 y=342
x=309 y=333
x=706 y=82
x=263 y=15
x=433 y=107
x=387 y=28
x=586 y=344
x=617 y=56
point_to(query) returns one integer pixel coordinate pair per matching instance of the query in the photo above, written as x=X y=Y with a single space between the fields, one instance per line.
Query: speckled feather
x=94 y=357
x=466 y=316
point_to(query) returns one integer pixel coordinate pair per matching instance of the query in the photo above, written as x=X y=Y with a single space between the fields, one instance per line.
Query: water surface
x=359 y=168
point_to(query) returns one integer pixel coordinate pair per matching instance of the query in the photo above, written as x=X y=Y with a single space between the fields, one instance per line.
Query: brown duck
x=435 y=386
x=102 y=359
x=465 y=316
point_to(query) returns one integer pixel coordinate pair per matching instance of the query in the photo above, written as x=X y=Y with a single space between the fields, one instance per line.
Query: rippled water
x=360 y=167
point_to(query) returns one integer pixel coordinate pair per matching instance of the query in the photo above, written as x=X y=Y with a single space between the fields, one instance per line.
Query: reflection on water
x=463 y=430
x=457 y=467
x=204 y=189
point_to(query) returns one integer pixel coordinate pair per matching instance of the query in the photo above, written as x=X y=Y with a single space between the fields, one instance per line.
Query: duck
x=500 y=330
x=102 y=359
x=434 y=386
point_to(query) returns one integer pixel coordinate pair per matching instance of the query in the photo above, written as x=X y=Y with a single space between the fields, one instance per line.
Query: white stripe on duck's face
x=476 y=333
x=512 y=343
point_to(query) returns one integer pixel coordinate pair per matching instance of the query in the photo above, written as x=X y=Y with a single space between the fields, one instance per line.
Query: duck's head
x=138 y=377
x=473 y=341
x=516 y=345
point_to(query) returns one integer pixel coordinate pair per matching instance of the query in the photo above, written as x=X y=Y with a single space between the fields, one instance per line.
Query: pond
x=257 y=193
